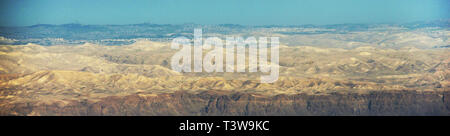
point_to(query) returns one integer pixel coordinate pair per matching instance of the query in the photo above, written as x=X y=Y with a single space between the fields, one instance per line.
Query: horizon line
x=190 y=23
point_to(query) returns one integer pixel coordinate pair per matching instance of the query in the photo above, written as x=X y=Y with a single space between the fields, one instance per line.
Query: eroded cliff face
x=220 y=103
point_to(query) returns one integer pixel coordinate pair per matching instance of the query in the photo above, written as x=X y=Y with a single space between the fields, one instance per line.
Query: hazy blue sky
x=247 y=12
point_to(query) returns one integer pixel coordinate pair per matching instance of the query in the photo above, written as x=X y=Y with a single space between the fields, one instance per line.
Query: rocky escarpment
x=222 y=103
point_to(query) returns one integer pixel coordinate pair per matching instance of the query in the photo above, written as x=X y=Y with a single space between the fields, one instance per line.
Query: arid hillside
x=137 y=79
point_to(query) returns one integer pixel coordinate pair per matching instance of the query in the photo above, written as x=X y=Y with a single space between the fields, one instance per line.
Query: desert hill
x=137 y=79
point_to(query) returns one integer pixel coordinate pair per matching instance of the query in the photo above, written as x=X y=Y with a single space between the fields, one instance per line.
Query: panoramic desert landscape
x=337 y=70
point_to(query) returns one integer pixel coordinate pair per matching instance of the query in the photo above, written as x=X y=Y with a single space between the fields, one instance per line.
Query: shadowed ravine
x=217 y=103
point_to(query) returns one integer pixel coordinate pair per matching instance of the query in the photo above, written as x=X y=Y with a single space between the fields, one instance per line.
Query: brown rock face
x=215 y=103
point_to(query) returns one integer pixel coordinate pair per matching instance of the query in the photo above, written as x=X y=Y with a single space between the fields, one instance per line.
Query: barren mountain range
x=323 y=71
x=136 y=79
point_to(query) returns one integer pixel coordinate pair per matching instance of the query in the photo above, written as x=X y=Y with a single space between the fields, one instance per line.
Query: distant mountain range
x=46 y=34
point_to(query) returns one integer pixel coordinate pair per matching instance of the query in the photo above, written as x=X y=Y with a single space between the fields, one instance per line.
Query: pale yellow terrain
x=62 y=73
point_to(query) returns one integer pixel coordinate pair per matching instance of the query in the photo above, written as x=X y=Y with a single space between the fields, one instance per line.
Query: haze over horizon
x=289 y=12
